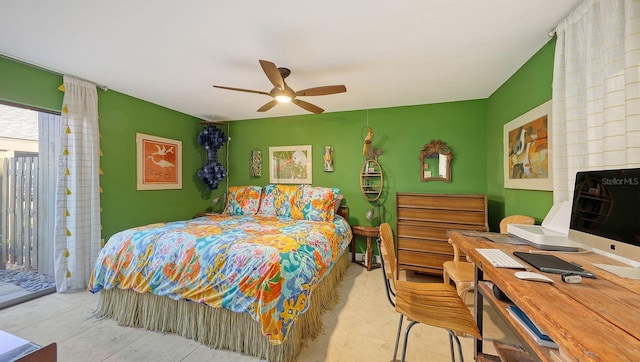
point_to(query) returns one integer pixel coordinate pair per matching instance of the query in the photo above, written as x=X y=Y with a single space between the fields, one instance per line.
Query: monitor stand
x=621 y=271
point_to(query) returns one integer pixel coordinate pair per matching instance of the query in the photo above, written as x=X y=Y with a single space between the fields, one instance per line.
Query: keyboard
x=500 y=259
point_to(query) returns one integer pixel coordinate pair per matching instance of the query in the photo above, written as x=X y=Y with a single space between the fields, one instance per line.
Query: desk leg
x=369 y=253
x=477 y=310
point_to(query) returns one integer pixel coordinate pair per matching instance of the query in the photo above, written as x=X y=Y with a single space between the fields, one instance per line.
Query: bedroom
x=473 y=128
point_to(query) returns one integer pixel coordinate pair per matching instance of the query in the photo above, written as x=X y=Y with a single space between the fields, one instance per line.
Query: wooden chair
x=434 y=304
x=461 y=272
x=515 y=219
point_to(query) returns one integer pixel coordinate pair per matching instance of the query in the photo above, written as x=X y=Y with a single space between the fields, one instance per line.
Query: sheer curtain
x=77 y=228
x=596 y=91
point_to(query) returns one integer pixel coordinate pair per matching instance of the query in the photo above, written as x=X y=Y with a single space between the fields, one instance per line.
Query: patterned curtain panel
x=77 y=230
x=596 y=91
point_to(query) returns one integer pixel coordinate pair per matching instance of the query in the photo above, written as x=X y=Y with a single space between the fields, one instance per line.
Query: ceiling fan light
x=283 y=98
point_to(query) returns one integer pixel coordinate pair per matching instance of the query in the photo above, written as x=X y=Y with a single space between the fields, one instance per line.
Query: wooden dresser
x=423 y=221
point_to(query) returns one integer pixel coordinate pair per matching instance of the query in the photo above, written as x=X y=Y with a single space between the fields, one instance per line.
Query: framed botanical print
x=290 y=164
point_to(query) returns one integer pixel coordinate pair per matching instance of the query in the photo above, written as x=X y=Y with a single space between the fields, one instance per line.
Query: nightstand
x=368 y=232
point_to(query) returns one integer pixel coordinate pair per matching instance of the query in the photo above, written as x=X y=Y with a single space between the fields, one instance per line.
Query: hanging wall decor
x=435 y=162
x=256 y=163
x=290 y=165
x=158 y=163
x=212 y=138
x=327 y=156
x=368 y=151
x=527 y=150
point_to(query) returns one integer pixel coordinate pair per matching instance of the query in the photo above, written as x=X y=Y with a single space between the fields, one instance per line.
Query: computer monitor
x=605 y=215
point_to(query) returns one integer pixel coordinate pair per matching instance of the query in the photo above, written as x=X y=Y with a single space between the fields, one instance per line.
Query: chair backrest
x=388 y=253
x=515 y=219
x=456 y=251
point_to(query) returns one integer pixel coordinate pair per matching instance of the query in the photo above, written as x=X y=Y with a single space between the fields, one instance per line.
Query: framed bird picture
x=527 y=150
x=158 y=163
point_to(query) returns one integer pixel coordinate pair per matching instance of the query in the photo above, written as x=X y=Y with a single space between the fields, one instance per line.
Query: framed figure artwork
x=527 y=150
x=290 y=165
x=158 y=163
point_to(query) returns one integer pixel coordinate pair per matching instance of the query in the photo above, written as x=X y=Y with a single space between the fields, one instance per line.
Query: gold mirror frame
x=435 y=150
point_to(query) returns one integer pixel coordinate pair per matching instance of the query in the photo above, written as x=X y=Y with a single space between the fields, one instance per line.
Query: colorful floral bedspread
x=265 y=266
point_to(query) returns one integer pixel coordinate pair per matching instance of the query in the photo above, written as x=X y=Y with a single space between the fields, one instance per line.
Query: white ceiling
x=387 y=53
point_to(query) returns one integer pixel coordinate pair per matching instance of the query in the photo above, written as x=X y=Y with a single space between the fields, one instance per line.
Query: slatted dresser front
x=423 y=221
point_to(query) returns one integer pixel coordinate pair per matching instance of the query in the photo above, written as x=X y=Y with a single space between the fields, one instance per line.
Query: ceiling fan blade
x=321 y=91
x=272 y=73
x=241 y=90
x=308 y=106
x=268 y=105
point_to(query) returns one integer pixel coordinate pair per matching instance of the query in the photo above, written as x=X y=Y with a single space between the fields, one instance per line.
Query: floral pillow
x=243 y=200
x=277 y=200
x=315 y=203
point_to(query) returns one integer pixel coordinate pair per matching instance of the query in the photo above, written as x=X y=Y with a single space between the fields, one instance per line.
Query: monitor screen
x=605 y=212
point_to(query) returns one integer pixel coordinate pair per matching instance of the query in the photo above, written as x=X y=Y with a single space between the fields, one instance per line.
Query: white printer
x=552 y=234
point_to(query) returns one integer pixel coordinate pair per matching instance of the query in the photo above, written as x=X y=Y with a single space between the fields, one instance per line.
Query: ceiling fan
x=282 y=93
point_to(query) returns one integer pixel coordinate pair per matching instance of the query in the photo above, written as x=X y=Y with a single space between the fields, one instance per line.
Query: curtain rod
x=41 y=67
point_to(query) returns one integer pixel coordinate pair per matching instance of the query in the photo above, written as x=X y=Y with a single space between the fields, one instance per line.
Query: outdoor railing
x=18 y=212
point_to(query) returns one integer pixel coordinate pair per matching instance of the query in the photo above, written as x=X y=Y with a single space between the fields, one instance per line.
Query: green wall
x=529 y=87
x=121 y=116
x=473 y=130
x=400 y=131
x=29 y=87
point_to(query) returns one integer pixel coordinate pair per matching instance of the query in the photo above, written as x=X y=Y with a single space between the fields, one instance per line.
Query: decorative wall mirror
x=435 y=162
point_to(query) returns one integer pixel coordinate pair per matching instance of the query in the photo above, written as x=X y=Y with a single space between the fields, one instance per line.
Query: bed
x=254 y=279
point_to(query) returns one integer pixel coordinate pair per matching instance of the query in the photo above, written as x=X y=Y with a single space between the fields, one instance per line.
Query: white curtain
x=596 y=91
x=77 y=229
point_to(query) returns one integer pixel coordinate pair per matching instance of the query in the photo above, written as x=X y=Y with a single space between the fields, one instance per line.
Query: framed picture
x=158 y=163
x=290 y=165
x=256 y=163
x=527 y=150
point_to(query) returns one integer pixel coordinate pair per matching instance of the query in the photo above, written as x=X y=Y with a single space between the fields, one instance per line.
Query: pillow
x=315 y=203
x=277 y=200
x=243 y=200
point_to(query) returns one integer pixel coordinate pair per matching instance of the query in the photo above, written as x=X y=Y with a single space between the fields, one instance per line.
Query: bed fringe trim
x=240 y=333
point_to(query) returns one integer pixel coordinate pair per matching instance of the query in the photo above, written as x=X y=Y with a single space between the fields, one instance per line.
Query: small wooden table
x=368 y=232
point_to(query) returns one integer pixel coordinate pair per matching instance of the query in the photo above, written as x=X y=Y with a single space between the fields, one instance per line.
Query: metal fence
x=18 y=208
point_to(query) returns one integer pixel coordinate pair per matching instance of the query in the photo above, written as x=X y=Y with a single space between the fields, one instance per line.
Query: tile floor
x=361 y=328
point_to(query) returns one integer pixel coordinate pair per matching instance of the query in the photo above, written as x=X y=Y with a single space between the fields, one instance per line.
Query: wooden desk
x=597 y=320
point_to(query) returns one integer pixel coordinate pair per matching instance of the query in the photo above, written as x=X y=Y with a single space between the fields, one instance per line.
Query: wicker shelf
x=371 y=180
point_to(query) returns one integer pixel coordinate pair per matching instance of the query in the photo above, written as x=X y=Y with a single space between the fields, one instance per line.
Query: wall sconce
x=217 y=201
x=378 y=213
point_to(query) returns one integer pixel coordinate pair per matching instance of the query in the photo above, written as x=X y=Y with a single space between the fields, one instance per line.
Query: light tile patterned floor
x=361 y=328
